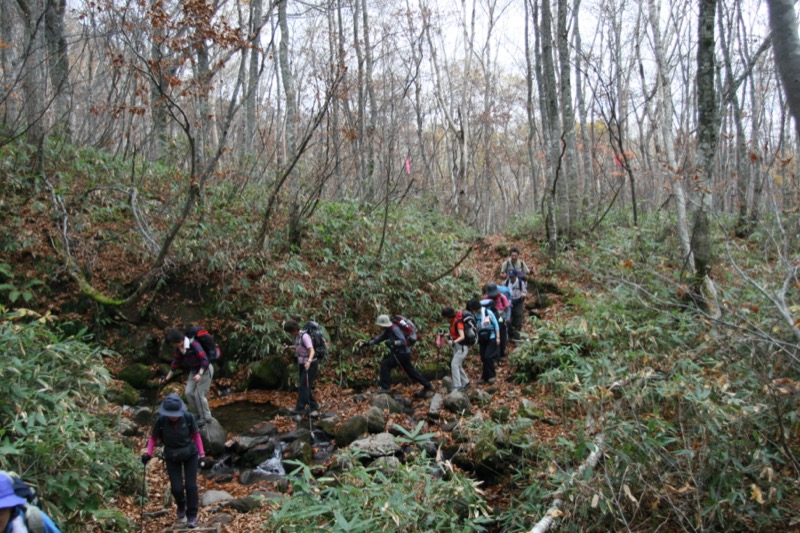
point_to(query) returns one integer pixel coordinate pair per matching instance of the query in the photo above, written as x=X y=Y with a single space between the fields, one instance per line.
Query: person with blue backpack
x=17 y=514
x=488 y=337
x=191 y=356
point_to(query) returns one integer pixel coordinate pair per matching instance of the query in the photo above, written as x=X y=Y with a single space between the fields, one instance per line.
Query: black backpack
x=33 y=514
x=470 y=328
x=201 y=335
x=317 y=335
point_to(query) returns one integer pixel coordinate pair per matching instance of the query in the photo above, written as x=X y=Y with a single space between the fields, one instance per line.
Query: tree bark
x=786 y=50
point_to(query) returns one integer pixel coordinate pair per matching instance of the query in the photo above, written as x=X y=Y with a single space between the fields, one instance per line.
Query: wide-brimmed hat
x=8 y=498
x=172 y=406
x=492 y=290
x=383 y=321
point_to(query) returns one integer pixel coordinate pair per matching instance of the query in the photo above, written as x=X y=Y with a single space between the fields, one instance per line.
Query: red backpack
x=407 y=327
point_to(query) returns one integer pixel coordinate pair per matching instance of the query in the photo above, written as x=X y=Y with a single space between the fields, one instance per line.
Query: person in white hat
x=399 y=355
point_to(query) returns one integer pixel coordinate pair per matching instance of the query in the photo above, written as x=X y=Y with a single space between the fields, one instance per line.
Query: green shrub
x=51 y=428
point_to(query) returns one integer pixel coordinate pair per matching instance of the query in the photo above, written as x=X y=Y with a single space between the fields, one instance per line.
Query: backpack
x=317 y=335
x=201 y=335
x=486 y=328
x=33 y=513
x=407 y=327
x=470 y=328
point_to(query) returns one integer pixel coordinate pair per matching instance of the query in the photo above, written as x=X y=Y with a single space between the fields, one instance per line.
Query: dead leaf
x=627 y=490
x=755 y=494
x=595 y=501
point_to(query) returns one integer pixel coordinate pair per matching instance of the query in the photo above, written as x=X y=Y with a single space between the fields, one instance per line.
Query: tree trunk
x=707 y=134
x=58 y=62
x=553 y=127
x=786 y=50
x=288 y=82
x=568 y=181
x=33 y=81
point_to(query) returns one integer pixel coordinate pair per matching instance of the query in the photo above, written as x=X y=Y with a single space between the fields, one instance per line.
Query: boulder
x=436 y=405
x=351 y=429
x=258 y=454
x=388 y=464
x=127 y=428
x=136 y=375
x=122 y=393
x=214 y=437
x=302 y=434
x=271 y=373
x=447 y=384
x=214 y=497
x=380 y=445
x=248 y=477
x=328 y=425
x=298 y=450
x=261 y=429
x=245 y=505
x=481 y=397
x=142 y=416
x=376 y=423
x=457 y=402
x=500 y=414
x=385 y=402
x=243 y=443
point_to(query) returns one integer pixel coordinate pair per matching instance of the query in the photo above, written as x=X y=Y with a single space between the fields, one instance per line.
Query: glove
x=146 y=458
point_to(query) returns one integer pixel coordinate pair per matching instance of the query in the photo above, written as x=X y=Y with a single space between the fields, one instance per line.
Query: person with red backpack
x=462 y=333
x=190 y=355
x=399 y=343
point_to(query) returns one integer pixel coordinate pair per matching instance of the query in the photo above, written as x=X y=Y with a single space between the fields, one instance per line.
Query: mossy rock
x=501 y=414
x=271 y=373
x=351 y=430
x=137 y=375
x=122 y=393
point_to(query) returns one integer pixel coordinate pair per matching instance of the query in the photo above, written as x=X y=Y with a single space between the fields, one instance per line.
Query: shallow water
x=239 y=417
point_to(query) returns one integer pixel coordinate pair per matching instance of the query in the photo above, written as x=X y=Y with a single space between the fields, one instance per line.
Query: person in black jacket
x=177 y=430
x=399 y=355
x=190 y=356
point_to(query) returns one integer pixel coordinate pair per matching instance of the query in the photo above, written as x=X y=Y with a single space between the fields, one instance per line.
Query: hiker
x=460 y=349
x=190 y=356
x=515 y=262
x=502 y=308
x=307 y=366
x=488 y=337
x=177 y=429
x=519 y=290
x=17 y=515
x=399 y=355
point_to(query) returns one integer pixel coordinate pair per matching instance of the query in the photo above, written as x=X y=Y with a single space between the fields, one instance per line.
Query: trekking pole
x=142 y=496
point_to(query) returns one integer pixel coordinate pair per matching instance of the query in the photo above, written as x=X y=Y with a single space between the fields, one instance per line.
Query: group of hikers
x=487 y=322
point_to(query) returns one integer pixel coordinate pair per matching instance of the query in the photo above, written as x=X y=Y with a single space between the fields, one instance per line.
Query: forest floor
x=347 y=403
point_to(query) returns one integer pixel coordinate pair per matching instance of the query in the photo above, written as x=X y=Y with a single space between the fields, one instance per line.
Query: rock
x=245 y=505
x=397 y=430
x=302 y=434
x=328 y=425
x=136 y=375
x=387 y=464
x=500 y=414
x=214 y=497
x=263 y=429
x=481 y=397
x=122 y=393
x=127 y=428
x=379 y=445
x=376 y=423
x=351 y=429
x=214 y=437
x=385 y=402
x=243 y=443
x=527 y=409
x=270 y=373
x=447 y=384
x=267 y=495
x=436 y=405
x=220 y=518
x=457 y=403
x=142 y=416
x=258 y=454
x=298 y=450
x=248 y=477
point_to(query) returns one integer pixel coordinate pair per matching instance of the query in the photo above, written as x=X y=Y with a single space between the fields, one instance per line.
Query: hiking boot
x=192 y=522
x=181 y=514
x=465 y=387
x=314 y=414
x=297 y=411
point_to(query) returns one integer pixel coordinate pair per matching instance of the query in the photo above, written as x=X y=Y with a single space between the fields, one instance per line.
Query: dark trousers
x=183 y=484
x=503 y=339
x=403 y=360
x=517 y=317
x=489 y=353
x=305 y=396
